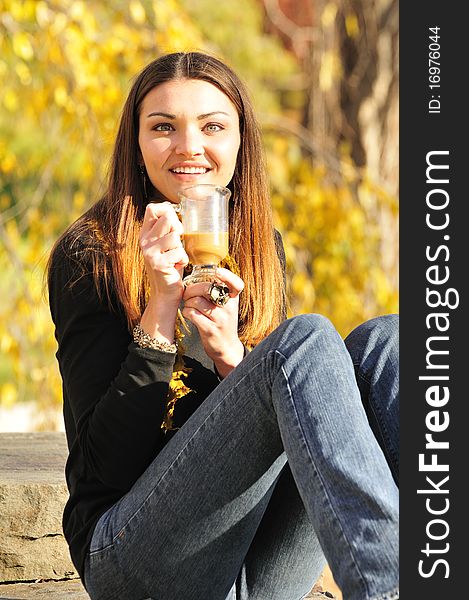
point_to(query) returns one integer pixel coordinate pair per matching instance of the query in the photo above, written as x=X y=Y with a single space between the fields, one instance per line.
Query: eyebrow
x=199 y=118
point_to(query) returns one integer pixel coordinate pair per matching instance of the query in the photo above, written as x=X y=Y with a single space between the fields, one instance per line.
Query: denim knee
x=379 y=333
x=385 y=327
x=294 y=336
x=306 y=323
x=302 y=336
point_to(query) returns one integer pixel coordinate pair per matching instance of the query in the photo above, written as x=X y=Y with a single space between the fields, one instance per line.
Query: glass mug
x=204 y=210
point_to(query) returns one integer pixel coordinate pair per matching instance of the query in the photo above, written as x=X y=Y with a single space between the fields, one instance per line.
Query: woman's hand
x=217 y=325
x=165 y=259
x=163 y=252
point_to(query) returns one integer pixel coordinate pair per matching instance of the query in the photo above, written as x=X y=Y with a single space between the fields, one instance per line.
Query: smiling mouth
x=190 y=170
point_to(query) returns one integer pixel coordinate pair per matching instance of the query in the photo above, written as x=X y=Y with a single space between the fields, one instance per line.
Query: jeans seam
x=182 y=451
x=99 y=550
x=320 y=479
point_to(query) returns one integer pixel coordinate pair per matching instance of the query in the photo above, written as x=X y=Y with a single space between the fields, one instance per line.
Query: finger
x=164 y=224
x=164 y=213
x=169 y=241
x=202 y=305
x=162 y=233
x=157 y=209
x=194 y=316
x=195 y=290
x=177 y=257
x=152 y=212
x=235 y=283
x=204 y=325
x=161 y=261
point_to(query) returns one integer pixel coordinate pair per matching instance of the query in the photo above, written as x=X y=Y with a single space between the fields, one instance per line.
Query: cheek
x=230 y=152
x=155 y=151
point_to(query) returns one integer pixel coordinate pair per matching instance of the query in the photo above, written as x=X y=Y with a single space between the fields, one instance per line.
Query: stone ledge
x=33 y=493
x=33 y=458
x=53 y=590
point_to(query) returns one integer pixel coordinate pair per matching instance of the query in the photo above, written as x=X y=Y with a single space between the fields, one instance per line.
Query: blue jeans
x=284 y=466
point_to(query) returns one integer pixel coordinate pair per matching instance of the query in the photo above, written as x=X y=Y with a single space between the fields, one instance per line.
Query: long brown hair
x=109 y=231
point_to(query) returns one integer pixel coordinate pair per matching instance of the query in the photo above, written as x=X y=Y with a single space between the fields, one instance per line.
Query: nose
x=189 y=142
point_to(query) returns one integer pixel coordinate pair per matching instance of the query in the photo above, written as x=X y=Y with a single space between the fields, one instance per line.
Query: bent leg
x=185 y=528
x=374 y=348
x=339 y=468
x=286 y=547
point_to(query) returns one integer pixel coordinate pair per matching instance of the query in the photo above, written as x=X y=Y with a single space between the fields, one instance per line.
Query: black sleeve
x=114 y=391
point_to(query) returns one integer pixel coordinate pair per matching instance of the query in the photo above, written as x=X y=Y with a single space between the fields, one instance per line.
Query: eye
x=163 y=127
x=213 y=127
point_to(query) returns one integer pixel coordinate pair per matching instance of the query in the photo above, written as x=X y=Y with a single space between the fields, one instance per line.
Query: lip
x=186 y=165
x=189 y=177
x=190 y=164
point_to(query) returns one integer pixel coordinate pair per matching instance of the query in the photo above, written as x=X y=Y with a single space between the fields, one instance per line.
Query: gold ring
x=219 y=294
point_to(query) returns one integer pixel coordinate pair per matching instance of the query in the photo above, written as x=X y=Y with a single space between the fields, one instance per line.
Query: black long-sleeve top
x=114 y=397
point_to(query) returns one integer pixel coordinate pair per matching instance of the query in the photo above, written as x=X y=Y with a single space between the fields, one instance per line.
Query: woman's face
x=189 y=134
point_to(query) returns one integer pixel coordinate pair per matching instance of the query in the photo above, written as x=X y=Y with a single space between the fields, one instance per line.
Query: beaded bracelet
x=143 y=340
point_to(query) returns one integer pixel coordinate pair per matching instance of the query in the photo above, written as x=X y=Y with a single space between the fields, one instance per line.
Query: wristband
x=143 y=340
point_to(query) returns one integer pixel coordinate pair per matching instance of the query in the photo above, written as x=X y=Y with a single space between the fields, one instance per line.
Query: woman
x=206 y=470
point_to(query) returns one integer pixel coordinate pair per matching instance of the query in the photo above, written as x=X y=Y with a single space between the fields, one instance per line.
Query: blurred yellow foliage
x=65 y=69
x=335 y=244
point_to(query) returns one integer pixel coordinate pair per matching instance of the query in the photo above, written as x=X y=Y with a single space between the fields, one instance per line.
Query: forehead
x=187 y=96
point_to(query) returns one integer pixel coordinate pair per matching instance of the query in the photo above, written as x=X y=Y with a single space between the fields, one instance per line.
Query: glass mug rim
x=213 y=186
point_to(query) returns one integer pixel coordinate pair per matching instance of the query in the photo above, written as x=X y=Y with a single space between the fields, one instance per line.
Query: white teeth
x=190 y=170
